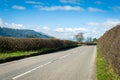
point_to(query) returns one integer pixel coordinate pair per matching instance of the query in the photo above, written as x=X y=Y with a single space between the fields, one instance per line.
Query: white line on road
x=64 y=56
x=30 y=70
x=20 y=75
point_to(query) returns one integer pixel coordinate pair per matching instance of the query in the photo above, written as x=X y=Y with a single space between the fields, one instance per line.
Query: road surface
x=73 y=64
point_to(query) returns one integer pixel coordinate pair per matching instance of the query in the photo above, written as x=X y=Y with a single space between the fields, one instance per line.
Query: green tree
x=79 y=37
x=95 y=40
x=89 y=39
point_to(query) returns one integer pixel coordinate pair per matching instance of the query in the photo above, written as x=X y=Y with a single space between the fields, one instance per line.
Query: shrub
x=28 y=44
x=109 y=45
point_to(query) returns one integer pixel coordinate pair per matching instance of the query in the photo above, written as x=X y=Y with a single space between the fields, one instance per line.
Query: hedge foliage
x=29 y=44
x=109 y=45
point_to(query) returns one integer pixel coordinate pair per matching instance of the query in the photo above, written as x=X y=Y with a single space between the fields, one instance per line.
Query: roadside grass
x=104 y=71
x=6 y=57
x=15 y=54
x=10 y=56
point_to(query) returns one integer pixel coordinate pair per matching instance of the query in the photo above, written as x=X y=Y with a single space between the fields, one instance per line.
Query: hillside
x=21 y=33
x=109 y=45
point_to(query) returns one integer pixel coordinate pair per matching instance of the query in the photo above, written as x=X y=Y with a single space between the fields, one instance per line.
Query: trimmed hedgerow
x=109 y=45
x=29 y=44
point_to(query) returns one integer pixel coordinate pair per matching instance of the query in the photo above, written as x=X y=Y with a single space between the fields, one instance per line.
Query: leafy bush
x=29 y=44
x=109 y=45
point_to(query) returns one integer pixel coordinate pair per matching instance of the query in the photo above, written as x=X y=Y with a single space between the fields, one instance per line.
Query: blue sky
x=61 y=18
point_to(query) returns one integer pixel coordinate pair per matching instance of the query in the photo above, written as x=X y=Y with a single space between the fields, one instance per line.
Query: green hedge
x=29 y=44
x=109 y=45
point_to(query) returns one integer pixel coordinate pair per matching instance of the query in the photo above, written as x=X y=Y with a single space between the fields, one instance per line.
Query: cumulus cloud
x=69 y=30
x=14 y=25
x=107 y=23
x=91 y=9
x=63 y=33
x=67 y=8
x=33 y=2
x=10 y=25
x=95 y=32
x=18 y=7
x=71 y=1
x=92 y=23
x=99 y=28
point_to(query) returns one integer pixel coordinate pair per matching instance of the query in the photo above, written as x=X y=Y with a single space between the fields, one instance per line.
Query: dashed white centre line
x=20 y=75
x=64 y=56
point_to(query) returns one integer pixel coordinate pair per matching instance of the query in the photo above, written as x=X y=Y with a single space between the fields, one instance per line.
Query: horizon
x=61 y=18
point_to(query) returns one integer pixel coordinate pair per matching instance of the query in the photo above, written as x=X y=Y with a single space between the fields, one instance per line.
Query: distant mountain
x=21 y=33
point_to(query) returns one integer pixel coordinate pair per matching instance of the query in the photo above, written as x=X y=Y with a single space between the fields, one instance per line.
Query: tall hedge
x=28 y=44
x=109 y=45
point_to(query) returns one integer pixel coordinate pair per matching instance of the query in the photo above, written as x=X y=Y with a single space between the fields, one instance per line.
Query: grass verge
x=6 y=57
x=104 y=71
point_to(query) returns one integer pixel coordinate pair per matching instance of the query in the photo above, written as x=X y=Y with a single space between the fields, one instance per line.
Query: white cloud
x=111 y=23
x=67 y=8
x=71 y=1
x=33 y=2
x=63 y=33
x=46 y=28
x=98 y=2
x=10 y=25
x=107 y=23
x=91 y=9
x=59 y=30
x=115 y=8
x=69 y=30
x=99 y=28
x=1 y=22
x=14 y=25
x=93 y=24
x=18 y=7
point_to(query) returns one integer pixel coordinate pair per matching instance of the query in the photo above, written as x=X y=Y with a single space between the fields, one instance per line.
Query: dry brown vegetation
x=29 y=44
x=109 y=45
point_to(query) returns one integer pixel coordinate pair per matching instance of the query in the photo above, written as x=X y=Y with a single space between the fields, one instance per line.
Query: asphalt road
x=73 y=64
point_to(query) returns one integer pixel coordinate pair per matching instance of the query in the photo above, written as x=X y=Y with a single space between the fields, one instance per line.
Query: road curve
x=73 y=64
